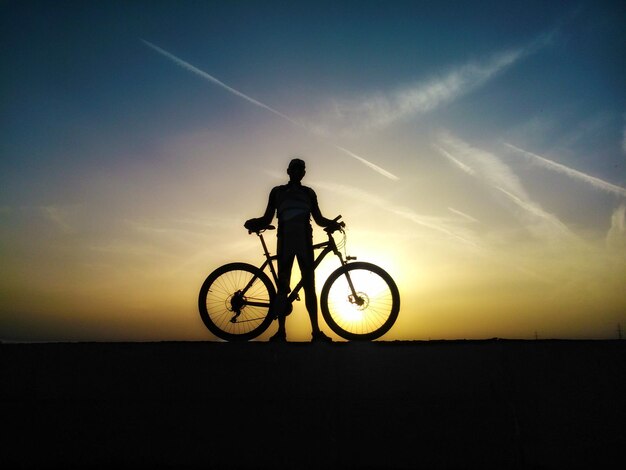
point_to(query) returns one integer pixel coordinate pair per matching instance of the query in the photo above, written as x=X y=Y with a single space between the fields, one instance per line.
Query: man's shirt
x=293 y=203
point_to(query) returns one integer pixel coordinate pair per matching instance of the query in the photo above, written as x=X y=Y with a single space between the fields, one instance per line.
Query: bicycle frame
x=326 y=247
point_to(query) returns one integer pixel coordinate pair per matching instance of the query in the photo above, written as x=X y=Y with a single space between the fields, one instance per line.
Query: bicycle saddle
x=258 y=230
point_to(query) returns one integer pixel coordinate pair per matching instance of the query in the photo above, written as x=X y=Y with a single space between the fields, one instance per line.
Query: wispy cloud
x=535 y=210
x=212 y=79
x=575 y=174
x=446 y=226
x=496 y=174
x=481 y=164
x=379 y=110
x=382 y=110
x=616 y=236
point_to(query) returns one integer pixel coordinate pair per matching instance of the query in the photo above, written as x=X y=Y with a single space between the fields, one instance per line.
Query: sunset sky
x=476 y=151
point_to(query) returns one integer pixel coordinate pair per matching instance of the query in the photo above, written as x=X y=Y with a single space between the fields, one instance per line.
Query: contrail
x=376 y=168
x=434 y=223
x=212 y=79
x=575 y=174
x=463 y=214
x=537 y=211
x=495 y=173
x=466 y=168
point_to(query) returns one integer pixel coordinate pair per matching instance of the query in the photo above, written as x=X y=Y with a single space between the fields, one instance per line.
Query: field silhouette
x=447 y=404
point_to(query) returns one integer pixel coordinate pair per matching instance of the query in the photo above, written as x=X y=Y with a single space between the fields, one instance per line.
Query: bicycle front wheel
x=366 y=312
x=235 y=300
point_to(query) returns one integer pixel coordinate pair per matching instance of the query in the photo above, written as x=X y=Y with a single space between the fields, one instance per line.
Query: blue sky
x=502 y=126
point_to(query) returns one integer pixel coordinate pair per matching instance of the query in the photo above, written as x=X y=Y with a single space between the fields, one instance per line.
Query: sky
x=475 y=150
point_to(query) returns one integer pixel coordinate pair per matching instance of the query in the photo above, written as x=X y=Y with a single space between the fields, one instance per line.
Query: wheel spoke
x=230 y=287
x=379 y=301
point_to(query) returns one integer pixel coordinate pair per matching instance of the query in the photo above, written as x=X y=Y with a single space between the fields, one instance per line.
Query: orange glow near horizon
x=147 y=289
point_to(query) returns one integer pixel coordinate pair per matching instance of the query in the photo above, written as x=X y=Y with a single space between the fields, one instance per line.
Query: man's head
x=296 y=169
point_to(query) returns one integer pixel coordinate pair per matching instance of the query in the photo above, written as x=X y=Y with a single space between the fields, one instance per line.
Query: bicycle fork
x=354 y=298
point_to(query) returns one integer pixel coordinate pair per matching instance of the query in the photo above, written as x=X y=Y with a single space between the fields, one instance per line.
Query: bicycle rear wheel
x=234 y=302
x=369 y=314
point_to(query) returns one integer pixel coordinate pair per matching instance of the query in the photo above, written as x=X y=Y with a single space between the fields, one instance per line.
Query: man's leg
x=285 y=264
x=306 y=262
x=311 y=301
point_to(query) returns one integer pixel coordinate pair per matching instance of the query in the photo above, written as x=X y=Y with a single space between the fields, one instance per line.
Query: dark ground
x=453 y=404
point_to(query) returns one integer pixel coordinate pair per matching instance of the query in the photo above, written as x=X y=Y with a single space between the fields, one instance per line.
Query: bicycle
x=359 y=300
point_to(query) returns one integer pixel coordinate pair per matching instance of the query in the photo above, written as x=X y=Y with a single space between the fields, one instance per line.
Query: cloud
x=481 y=164
x=616 y=236
x=574 y=174
x=382 y=109
x=496 y=174
x=554 y=224
x=212 y=79
x=442 y=225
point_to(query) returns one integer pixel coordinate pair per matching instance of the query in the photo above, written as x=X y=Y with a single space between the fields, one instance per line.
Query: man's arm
x=317 y=214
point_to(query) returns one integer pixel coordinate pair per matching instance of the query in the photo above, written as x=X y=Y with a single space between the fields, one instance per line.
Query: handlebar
x=329 y=230
x=338 y=226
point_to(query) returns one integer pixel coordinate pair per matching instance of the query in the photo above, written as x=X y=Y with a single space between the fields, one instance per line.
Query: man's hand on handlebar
x=336 y=225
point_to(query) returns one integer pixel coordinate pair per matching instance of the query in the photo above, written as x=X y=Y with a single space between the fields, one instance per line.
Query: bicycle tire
x=215 y=302
x=375 y=316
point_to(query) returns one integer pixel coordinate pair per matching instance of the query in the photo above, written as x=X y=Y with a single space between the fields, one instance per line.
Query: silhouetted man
x=294 y=205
